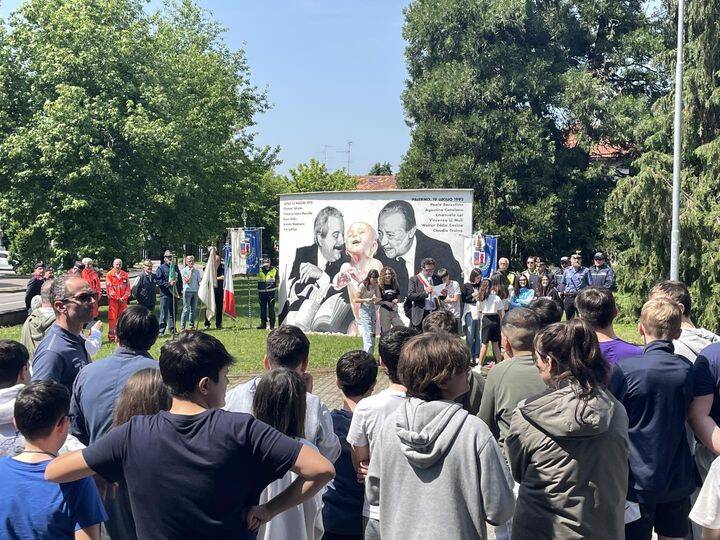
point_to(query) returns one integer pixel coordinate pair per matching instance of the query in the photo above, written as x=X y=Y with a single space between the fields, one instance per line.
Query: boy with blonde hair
x=656 y=389
x=692 y=339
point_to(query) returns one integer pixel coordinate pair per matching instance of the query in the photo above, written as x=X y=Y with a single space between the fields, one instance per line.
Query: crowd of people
x=477 y=305
x=571 y=433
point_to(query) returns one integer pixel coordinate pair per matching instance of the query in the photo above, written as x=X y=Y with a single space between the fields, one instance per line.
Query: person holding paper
x=422 y=293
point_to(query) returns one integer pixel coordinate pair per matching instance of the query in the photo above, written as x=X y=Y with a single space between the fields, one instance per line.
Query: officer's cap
x=599 y=256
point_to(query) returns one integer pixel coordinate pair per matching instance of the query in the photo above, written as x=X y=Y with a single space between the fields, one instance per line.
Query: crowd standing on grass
x=568 y=432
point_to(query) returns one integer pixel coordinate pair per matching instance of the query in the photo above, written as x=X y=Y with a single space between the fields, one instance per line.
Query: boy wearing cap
x=267 y=285
x=601 y=275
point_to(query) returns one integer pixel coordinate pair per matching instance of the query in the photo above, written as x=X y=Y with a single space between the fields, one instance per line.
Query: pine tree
x=641 y=204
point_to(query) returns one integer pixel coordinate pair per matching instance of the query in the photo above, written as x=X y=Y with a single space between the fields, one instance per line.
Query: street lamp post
x=677 y=148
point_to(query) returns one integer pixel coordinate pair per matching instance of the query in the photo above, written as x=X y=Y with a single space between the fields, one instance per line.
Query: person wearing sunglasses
x=61 y=354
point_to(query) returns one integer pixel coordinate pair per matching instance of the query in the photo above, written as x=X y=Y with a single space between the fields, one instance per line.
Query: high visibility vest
x=267 y=281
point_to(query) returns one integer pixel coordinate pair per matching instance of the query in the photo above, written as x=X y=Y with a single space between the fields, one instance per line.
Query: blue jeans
x=190 y=299
x=367 y=324
x=167 y=313
x=472 y=334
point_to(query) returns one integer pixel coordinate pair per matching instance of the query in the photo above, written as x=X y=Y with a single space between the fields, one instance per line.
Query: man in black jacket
x=403 y=247
x=34 y=285
x=170 y=290
x=144 y=288
x=420 y=295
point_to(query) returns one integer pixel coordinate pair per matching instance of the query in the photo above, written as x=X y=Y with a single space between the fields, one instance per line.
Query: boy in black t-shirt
x=197 y=471
x=343 y=501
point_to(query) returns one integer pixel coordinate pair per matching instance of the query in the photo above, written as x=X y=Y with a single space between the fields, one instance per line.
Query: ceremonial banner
x=481 y=253
x=246 y=246
x=329 y=241
x=252 y=251
x=208 y=284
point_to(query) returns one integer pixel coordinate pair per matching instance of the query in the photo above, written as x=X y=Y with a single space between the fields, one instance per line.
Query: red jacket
x=117 y=285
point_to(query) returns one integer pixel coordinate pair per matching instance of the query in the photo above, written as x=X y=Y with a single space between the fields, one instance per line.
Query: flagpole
x=677 y=148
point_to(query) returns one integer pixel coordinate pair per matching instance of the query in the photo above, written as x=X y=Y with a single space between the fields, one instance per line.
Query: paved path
x=10 y=301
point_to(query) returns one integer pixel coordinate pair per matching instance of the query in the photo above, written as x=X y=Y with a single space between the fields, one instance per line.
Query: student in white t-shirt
x=452 y=297
x=492 y=308
x=370 y=413
x=706 y=510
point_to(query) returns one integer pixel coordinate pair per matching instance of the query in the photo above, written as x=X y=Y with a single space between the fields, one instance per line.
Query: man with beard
x=404 y=247
x=61 y=354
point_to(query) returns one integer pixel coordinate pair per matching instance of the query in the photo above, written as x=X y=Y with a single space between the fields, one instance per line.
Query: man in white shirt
x=370 y=413
x=288 y=347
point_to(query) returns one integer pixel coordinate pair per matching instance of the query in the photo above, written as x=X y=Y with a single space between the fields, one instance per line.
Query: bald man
x=117 y=284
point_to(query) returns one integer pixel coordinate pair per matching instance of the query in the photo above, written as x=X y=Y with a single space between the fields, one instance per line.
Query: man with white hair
x=90 y=275
x=504 y=269
x=117 y=283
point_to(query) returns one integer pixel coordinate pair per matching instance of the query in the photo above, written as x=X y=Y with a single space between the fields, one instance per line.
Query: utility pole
x=677 y=148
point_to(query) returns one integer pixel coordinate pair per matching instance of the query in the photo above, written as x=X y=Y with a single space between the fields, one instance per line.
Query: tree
x=314 y=176
x=641 y=203
x=496 y=89
x=121 y=129
x=381 y=169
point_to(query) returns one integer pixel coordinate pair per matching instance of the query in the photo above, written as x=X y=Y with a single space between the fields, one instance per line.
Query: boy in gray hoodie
x=436 y=470
x=692 y=339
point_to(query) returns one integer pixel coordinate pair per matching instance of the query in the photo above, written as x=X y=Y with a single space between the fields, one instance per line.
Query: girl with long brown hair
x=568 y=447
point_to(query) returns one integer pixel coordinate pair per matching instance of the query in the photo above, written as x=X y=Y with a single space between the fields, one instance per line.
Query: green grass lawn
x=247 y=344
x=240 y=337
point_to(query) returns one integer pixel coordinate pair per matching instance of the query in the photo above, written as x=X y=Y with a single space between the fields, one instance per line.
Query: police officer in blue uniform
x=574 y=279
x=601 y=275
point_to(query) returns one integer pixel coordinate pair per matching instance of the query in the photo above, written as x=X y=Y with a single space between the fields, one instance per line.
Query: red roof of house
x=376 y=183
x=603 y=150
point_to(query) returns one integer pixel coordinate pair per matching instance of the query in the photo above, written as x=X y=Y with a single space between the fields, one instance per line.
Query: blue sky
x=334 y=71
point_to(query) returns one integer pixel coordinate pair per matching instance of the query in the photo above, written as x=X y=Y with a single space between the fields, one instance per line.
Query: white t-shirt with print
x=367 y=421
x=452 y=289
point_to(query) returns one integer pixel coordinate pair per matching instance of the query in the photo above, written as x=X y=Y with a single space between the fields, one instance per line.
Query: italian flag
x=228 y=285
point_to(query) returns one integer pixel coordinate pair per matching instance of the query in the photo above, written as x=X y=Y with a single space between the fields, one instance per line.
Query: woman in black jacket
x=546 y=289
